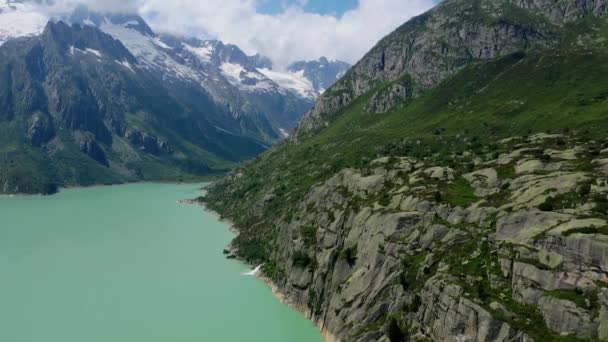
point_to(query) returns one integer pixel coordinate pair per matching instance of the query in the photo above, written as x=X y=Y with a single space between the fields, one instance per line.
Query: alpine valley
x=452 y=186
x=93 y=98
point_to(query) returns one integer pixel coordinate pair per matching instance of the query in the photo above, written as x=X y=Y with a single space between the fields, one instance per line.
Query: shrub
x=548 y=205
x=413 y=305
x=584 y=190
x=301 y=259
x=394 y=332
x=309 y=235
x=349 y=255
x=404 y=282
x=438 y=196
x=601 y=205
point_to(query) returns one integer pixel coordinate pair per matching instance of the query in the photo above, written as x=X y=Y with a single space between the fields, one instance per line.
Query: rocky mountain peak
x=261 y=62
x=85 y=39
x=323 y=73
x=84 y=16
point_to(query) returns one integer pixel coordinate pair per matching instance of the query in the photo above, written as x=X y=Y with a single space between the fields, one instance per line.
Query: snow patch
x=96 y=53
x=126 y=65
x=93 y=51
x=160 y=43
x=248 y=80
x=148 y=52
x=292 y=81
x=232 y=71
x=284 y=133
x=203 y=53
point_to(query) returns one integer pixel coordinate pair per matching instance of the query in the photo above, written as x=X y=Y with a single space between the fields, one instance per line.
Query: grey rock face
x=389 y=98
x=371 y=248
x=433 y=46
x=91 y=148
x=40 y=129
x=448 y=316
x=147 y=142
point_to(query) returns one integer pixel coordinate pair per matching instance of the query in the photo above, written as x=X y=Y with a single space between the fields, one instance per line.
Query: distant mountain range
x=114 y=101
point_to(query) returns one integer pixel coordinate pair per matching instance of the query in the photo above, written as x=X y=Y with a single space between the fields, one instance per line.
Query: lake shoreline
x=283 y=298
x=202 y=180
x=327 y=335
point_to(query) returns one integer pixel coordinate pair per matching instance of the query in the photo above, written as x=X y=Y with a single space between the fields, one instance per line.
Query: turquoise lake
x=129 y=264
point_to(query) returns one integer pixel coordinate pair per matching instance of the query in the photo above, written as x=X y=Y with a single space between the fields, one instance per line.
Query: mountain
x=132 y=104
x=247 y=85
x=78 y=108
x=222 y=70
x=451 y=186
x=322 y=73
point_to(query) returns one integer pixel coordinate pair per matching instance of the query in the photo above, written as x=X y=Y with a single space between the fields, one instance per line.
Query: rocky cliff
x=515 y=249
x=451 y=187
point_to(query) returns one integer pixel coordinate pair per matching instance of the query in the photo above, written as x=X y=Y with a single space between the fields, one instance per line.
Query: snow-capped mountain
x=223 y=70
x=78 y=108
x=88 y=97
x=323 y=73
x=244 y=85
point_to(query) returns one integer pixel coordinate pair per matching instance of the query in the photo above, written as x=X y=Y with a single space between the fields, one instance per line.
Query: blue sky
x=331 y=7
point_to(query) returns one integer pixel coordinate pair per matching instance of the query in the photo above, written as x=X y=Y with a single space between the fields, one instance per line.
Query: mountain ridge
x=76 y=94
x=218 y=109
x=412 y=55
x=433 y=195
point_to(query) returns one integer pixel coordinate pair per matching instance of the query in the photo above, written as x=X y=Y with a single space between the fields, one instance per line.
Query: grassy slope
x=562 y=89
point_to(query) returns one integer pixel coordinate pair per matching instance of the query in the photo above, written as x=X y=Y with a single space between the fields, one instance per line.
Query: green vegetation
x=472 y=110
x=576 y=296
x=459 y=124
x=301 y=259
x=588 y=230
x=458 y=193
x=309 y=234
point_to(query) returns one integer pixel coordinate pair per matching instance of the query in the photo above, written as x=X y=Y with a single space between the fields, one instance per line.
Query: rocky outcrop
x=40 y=129
x=371 y=251
x=401 y=227
x=89 y=146
x=387 y=99
x=147 y=142
x=449 y=316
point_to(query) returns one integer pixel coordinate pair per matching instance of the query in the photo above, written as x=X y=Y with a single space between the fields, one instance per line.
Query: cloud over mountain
x=293 y=34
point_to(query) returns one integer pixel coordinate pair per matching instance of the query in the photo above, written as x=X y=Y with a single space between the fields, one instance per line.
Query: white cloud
x=62 y=6
x=291 y=35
